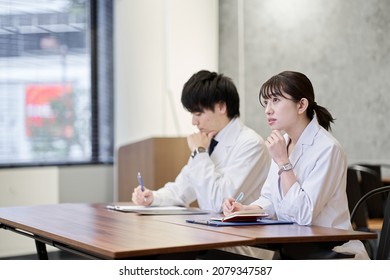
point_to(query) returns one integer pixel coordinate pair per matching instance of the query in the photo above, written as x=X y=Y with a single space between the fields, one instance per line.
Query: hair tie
x=315 y=105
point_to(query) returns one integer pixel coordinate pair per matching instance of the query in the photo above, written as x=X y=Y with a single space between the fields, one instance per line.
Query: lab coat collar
x=306 y=138
x=229 y=133
x=226 y=139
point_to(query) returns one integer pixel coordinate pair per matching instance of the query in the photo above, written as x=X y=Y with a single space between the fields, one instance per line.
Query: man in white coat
x=227 y=157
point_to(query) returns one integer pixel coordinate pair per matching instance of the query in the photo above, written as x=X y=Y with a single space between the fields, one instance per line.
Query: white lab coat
x=239 y=163
x=319 y=195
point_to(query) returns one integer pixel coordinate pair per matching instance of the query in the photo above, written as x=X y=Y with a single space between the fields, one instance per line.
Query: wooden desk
x=296 y=242
x=94 y=231
x=278 y=234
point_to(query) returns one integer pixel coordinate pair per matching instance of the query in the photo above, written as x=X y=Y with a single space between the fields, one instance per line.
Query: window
x=56 y=82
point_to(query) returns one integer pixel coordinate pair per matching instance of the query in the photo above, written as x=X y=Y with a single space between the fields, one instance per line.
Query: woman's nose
x=268 y=109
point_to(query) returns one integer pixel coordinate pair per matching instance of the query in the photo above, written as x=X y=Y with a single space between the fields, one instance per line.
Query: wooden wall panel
x=158 y=159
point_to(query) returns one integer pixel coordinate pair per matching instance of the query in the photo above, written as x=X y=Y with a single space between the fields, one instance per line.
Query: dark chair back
x=383 y=248
x=383 y=252
x=370 y=181
x=354 y=193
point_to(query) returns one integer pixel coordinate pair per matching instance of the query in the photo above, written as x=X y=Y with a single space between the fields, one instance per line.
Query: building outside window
x=49 y=95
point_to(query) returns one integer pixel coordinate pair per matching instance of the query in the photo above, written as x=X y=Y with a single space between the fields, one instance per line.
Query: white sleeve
x=305 y=200
x=245 y=169
x=177 y=193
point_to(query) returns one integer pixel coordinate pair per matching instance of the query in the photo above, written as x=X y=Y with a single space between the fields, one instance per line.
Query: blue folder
x=224 y=224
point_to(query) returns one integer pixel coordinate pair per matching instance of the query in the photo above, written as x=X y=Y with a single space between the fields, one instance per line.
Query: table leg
x=41 y=250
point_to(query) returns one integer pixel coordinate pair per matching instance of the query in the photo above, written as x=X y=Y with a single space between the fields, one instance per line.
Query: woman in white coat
x=306 y=183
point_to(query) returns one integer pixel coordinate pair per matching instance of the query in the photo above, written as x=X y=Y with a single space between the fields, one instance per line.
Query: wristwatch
x=198 y=150
x=285 y=167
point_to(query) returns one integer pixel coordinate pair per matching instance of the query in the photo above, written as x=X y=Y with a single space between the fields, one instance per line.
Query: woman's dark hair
x=205 y=89
x=298 y=86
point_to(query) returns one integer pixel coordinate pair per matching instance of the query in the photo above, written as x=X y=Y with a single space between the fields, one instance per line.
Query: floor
x=59 y=255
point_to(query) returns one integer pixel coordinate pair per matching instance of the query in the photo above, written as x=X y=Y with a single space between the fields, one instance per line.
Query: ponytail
x=324 y=117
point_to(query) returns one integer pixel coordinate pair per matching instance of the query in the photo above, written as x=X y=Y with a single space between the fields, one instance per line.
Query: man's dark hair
x=205 y=89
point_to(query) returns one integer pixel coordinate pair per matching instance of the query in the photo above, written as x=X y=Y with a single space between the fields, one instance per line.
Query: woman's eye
x=275 y=99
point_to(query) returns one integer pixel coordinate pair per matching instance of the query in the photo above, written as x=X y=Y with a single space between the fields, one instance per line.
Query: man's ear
x=220 y=107
x=302 y=105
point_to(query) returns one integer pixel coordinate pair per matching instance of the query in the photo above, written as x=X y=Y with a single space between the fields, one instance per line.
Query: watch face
x=285 y=167
x=201 y=150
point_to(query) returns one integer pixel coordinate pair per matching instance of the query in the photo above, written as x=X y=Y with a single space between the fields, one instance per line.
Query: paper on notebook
x=157 y=210
x=136 y=208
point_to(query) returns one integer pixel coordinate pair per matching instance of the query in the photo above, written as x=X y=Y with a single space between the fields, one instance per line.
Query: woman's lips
x=271 y=121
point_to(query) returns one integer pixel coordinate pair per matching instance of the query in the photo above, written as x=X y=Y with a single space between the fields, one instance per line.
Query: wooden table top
x=268 y=234
x=109 y=234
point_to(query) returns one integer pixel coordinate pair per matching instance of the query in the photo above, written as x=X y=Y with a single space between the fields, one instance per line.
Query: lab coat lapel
x=226 y=139
x=306 y=139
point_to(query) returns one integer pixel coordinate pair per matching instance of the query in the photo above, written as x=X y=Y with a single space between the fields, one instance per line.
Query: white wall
x=158 y=46
x=342 y=46
x=25 y=186
x=49 y=185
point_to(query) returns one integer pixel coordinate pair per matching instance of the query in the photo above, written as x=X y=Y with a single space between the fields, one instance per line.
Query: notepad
x=243 y=216
x=156 y=210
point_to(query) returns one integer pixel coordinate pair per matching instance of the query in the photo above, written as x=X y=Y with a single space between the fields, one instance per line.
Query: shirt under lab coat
x=239 y=163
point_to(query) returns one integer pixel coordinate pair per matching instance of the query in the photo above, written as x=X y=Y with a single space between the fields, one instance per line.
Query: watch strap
x=198 y=150
x=285 y=167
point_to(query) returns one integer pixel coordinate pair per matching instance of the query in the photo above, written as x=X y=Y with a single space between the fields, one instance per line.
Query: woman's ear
x=302 y=105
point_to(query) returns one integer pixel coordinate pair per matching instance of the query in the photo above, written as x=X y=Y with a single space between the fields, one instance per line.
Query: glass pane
x=45 y=84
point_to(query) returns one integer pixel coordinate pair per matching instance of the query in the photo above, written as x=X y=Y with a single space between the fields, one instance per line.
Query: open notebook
x=240 y=218
x=156 y=210
x=243 y=216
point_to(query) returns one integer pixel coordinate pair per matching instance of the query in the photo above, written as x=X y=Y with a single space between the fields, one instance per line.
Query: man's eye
x=275 y=99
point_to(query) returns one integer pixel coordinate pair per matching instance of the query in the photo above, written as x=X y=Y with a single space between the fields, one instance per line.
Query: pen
x=239 y=197
x=141 y=183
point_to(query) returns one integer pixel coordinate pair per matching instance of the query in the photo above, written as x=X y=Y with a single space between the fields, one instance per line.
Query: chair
x=383 y=249
x=379 y=252
x=354 y=193
x=362 y=179
x=371 y=178
x=357 y=175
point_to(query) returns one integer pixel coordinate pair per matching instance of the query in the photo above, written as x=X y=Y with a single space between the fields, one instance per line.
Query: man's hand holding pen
x=140 y=197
